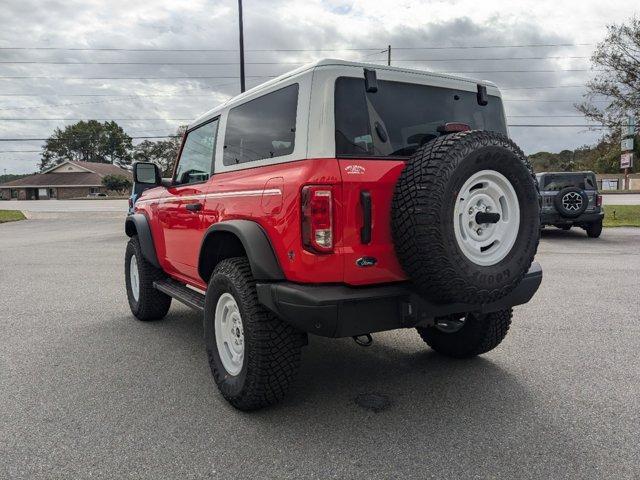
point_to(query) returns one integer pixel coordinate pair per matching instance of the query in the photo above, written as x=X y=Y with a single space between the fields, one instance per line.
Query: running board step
x=181 y=292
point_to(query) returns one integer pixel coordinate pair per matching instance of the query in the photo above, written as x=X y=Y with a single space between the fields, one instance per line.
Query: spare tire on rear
x=465 y=217
x=571 y=202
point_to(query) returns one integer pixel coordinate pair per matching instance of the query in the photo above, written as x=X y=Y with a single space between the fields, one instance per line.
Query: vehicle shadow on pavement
x=436 y=405
x=575 y=233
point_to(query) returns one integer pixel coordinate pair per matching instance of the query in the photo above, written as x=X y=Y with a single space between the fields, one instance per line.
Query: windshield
x=400 y=117
x=557 y=181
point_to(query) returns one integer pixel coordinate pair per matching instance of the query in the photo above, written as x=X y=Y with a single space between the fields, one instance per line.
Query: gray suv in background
x=571 y=199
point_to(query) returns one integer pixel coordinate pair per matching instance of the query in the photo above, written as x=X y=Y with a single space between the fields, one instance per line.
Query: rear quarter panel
x=270 y=196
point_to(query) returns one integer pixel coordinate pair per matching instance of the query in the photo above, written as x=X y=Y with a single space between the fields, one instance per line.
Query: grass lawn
x=622 y=215
x=10 y=216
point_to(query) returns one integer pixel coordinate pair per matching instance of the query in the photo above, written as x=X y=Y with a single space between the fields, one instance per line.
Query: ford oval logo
x=366 y=261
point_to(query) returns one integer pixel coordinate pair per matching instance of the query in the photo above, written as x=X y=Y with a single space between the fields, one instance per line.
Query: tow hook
x=365 y=340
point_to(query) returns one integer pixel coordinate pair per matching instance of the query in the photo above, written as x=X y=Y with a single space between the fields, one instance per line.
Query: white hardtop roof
x=324 y=63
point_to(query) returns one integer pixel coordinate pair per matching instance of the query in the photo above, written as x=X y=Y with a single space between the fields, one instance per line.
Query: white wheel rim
x=486 y=191
x=134 y=277
x=229 y=334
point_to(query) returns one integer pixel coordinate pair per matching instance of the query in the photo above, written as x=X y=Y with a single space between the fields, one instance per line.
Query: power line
x=173 y=136
x=94 y=118
x=545 y=116
x=190 y=77
x=549 y=101
x=158 y=49
x=544 y=87
x=45 y=139
x=560 y=125
x=56 y=62
x=540 y=87
x=532 y=45
x=106 y=94
x=20 y=151
x=519 y=71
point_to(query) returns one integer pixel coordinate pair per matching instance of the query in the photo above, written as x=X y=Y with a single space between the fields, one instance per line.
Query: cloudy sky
x=155 y=65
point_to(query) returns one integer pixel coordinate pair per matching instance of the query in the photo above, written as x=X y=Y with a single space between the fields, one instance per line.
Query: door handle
x=193 y=207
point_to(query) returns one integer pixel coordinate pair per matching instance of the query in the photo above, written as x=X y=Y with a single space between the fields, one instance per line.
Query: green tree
x=89 y=141
x=162 y=152
x=117 y=183
x=618 y=59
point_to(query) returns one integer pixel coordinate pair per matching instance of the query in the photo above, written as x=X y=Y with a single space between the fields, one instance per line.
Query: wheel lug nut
x=479 y=231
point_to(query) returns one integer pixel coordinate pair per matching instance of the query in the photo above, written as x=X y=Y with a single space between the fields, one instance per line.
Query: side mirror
x=146 y=173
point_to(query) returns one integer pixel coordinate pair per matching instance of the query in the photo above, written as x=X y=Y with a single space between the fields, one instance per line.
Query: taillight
x=598 y=200
x=317 y=218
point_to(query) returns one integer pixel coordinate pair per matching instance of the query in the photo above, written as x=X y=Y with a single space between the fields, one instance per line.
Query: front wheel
x=467 y=336
x=253 y=355
x=145 y=301
x=594 y=229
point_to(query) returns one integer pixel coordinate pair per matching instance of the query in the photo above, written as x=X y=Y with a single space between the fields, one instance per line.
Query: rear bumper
x=342 y=311
x=554 y=218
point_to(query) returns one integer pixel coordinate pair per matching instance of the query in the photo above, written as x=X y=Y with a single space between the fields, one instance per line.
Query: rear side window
x=400 y=117
x=196 y=160
x=262 y=128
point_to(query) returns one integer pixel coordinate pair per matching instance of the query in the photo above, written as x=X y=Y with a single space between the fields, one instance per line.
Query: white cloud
x=322 y=24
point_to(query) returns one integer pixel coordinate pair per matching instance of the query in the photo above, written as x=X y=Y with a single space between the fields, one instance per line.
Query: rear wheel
x=467 y=336
x=253 y=355
x=594 y=229
x=145 y=301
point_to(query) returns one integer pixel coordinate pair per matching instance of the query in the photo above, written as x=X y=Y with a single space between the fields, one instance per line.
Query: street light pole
x=242 y=84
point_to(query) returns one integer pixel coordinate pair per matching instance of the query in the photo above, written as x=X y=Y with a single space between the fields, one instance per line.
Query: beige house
x=616 y=181
x=65 y=180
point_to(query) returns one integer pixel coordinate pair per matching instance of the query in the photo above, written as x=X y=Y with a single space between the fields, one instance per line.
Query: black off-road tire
x=151 y=304
x=478 y=335
x=594 y=229
x=271 y=347
x=423 y=217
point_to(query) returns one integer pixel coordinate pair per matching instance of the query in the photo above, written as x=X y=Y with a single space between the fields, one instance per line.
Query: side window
x=262 y=128
x=196 y=161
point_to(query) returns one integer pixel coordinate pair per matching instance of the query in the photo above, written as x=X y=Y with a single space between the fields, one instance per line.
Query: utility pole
x=389 y=55
x=242 y=85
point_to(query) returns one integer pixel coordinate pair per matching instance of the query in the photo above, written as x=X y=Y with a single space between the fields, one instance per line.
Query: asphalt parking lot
x=86 y=391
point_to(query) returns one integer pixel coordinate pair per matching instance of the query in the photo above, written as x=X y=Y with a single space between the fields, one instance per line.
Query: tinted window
x=557 y=181
x=196 y=159
x=400 y=117
x=262 y=128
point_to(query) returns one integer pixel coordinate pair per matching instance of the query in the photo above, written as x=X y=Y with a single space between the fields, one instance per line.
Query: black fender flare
x=137 y=224
x=217 y=245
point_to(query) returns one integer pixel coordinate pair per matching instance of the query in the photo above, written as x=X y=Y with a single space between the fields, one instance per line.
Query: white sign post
x=626 y=146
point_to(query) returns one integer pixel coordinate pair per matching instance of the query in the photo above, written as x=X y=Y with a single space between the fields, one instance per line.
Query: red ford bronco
x=339 y=199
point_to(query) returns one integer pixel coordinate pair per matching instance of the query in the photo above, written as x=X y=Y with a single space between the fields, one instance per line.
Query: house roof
x=92 y=177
